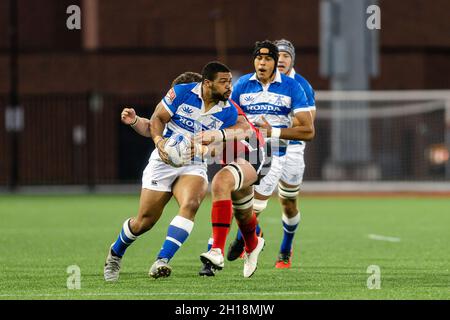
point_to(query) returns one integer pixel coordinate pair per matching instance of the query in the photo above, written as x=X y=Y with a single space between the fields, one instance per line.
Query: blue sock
x=125 y=239
x=289 y=227
x=178 y=231
x=210 y=243
x=239 y=234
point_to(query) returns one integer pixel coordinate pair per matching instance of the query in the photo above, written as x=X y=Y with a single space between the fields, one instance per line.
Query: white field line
x=77 y=293
x=383 y=238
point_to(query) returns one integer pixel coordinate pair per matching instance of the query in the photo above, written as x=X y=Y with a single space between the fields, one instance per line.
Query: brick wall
x=414 y=37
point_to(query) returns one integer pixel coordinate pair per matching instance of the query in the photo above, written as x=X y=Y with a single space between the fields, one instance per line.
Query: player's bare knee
x=222 y=184
x=189 y=208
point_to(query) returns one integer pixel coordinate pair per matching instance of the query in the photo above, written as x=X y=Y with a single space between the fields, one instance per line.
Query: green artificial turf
x=41 y=236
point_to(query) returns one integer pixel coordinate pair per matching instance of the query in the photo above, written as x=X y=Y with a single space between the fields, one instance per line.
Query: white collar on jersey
x=198 y=89
x=276 y=79
x=217 y=108
x=292 y=74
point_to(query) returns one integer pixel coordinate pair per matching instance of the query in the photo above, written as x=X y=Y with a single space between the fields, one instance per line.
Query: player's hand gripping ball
x=178 y=148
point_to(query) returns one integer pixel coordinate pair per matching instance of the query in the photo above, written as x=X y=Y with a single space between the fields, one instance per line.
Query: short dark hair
x=187 y=77
x=211 y=69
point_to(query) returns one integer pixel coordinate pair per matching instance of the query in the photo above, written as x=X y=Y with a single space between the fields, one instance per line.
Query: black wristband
x=135 y=121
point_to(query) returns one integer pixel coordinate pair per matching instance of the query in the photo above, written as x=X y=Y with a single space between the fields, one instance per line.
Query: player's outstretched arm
x=157 y=124
x=139 y=124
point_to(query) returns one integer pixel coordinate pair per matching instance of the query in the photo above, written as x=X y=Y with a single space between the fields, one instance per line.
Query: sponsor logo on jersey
x=263 y=108
x=170 y=96
x=265 y=98
x=279 y=101
x=187 y=110
x=214 y=123
x=190 y=124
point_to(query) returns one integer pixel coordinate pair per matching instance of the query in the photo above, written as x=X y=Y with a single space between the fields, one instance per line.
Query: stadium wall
x=144 y=45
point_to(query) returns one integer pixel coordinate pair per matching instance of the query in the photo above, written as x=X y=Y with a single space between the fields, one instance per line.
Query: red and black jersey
x=258 y=134
x=243 y=147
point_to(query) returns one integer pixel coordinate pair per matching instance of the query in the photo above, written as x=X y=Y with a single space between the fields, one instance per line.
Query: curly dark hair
x=187 y=77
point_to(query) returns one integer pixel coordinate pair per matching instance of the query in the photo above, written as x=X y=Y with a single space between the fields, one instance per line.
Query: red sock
x=248 y=233
x=221 y=215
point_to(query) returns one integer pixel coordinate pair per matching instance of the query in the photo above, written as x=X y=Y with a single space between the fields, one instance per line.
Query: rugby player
x=294 y=166
x=188 y=109
x=232 y=194
x=269 y=94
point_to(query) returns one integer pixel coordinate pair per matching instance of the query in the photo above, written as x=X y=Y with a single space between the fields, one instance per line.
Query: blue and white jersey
x=185 y=104
x=310 y=94
x=275 y=101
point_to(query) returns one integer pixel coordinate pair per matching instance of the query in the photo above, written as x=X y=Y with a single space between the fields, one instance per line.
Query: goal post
x=408 y=136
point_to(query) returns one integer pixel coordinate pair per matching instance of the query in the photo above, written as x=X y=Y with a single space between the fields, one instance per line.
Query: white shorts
x=294 y=167
x=159 y=176
x=270 y=181
x=288 y=168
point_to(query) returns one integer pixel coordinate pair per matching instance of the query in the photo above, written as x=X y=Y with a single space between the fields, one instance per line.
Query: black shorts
x=259 y=160
x=253 y=152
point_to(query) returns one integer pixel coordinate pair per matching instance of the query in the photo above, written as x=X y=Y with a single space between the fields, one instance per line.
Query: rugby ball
x=178 y=148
